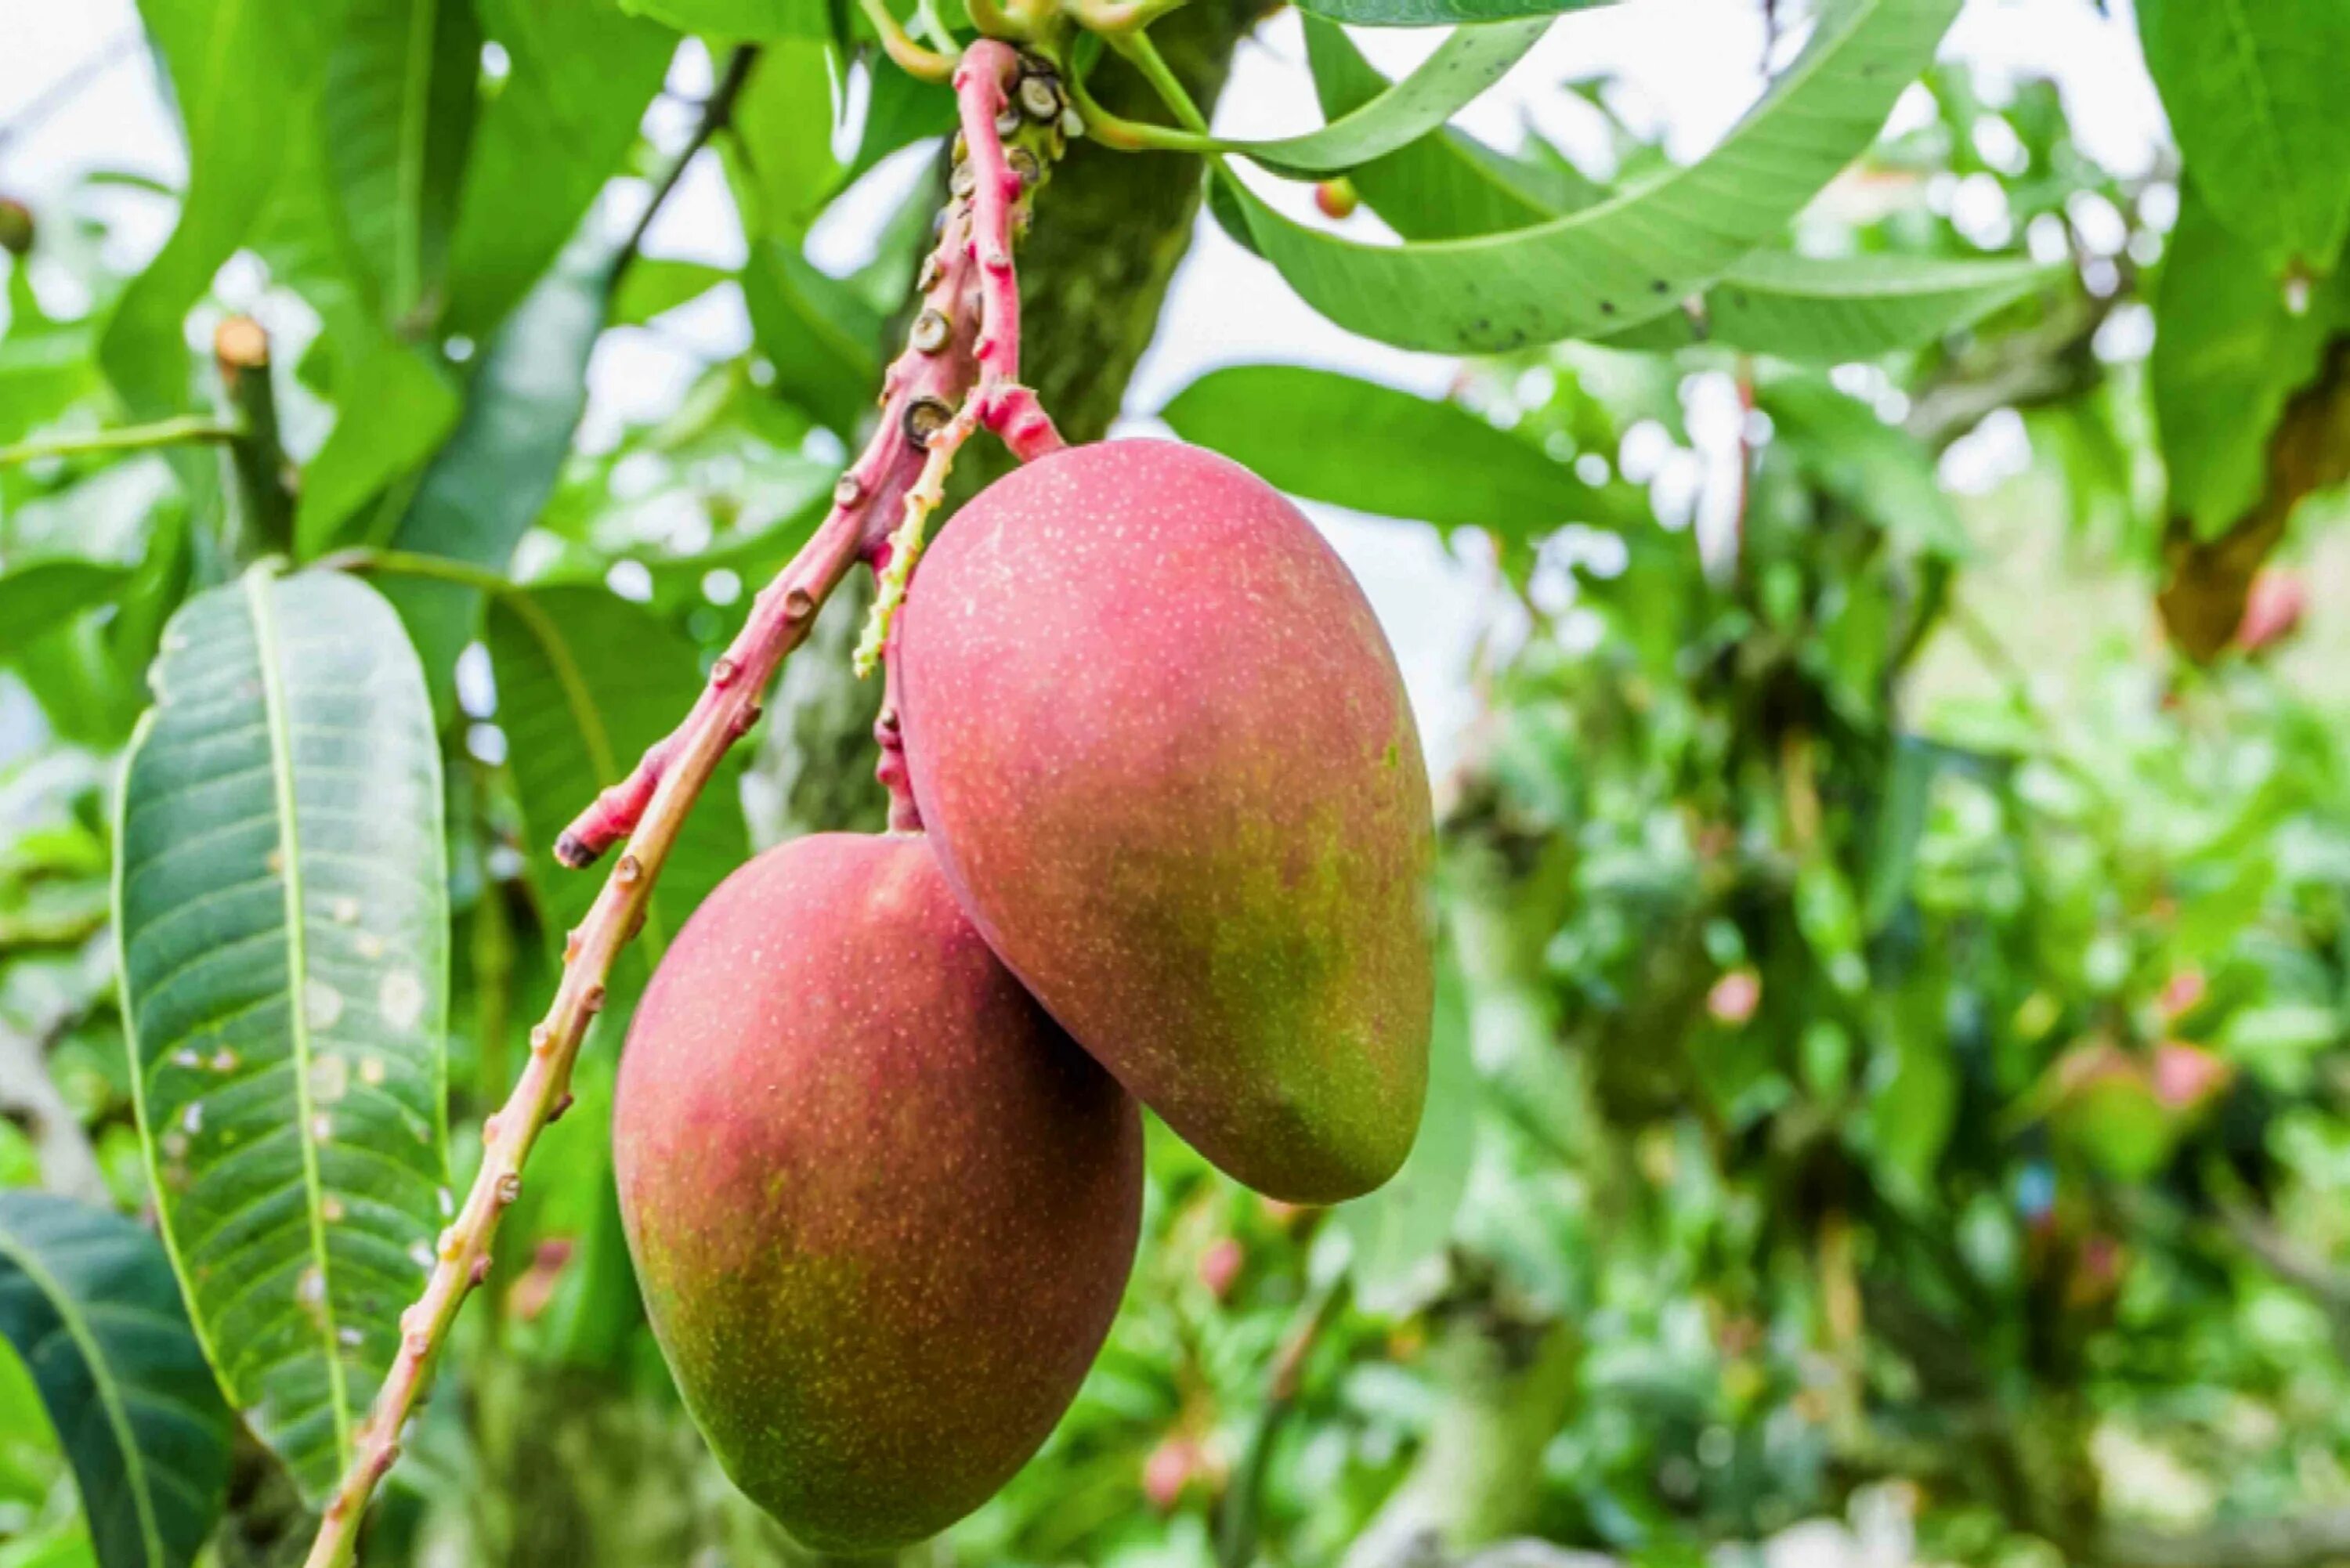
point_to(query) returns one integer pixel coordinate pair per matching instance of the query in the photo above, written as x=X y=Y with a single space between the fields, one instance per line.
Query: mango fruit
x=1164 y=753
x=882 y=1209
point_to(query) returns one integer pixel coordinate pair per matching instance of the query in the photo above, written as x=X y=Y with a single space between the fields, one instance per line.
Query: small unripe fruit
x=16 y=229
x=1165 y=756
x=1336 y=198
x=882 y=1209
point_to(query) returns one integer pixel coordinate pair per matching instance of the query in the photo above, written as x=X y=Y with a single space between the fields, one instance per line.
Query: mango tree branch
x=264 y=487
x=936 y=376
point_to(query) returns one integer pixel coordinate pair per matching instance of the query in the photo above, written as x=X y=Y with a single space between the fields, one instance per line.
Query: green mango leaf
x=1352 y=443
x=822 y=336
x=1468 y=62
x=903 y=111
x=1440 y=13
x=486 y=486
x=1637 y=254
x=397 y=115
x=654 y=284
x=741 y=20
x=397 y=409
x=1878 y=469
x=2253 y=92
x=36 y=596
x=237 y=133
x=1830 y=310
x=586 y=682
x=1445 y=185
x=578 y=82
x=2227 y=358
x=281 y=899
x=779 y=157
x=87 y=1298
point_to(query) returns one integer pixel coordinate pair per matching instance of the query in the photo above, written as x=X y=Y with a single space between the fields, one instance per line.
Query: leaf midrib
x=2270 y=135
x=257 y=585
x=101 y=1375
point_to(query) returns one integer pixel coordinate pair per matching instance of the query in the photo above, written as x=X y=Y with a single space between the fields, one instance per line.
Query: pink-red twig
x=931 y=400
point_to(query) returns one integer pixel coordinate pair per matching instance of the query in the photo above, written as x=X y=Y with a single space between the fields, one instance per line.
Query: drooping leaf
x=2228 y=356
x=587 y=682
x=1329 y=437
x=655 y=284
x=903 y=111
x=2253 y=92
x=1830 y=310
x=282 y=905
x=487 y=484
x=822 y=336
x=39 y=595
x=1636 y=255
x=237 y=135
x=397 y=407
x=88 y=1301
x=1440 y=13
x=741 y=20
x=1470 y=60
x=1446 y=185
x=397 y=115
x=578 y=82
x=780 y=155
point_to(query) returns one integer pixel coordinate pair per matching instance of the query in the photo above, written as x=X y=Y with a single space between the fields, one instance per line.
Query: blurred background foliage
x=1891 y=1100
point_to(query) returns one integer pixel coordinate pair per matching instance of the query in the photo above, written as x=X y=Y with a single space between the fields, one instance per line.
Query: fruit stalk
x=930 y=397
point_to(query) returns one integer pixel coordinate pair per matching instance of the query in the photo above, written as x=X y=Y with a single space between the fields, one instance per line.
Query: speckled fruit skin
x=882 y=1209
x=1163 y=750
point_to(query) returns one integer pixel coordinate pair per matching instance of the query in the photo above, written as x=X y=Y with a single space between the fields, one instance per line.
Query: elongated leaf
x=747 y=20
x=1446 y=185
x=237 y=135
x=490 y=482
x=38 y=596
x=2253 y=92
x=88 y=1301
x=2227 y=356
x=822 y=336
x=780 y=156
x=579 y=79
x=1829 y=310
x=397 y=407
x=1440 y=13
x=1468 y=62
x=1636 y=255
x=655 y=284
x=282 y=905
x=1328 y=437
x=587 y=682
x=397 y=115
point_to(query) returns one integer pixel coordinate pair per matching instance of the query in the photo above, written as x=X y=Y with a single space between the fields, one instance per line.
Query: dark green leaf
x=396 y=408
x=37 y=596
x=823 y=337
x=579 y=80
x=487 y=485
x=1829 y=310
x=2227 y=356
x=281 y=900
x=237 y=133
x=1468 y=62
x=1444 y=186
x=1636 y=255
x=739 y=19
x=902 y=111
x=781 y=152
x=586 y=682
x=1440 y=13
x=87 y=1299
x=2253 y=92
x=1328 y=437
x=397 y=115
x=653 y=284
